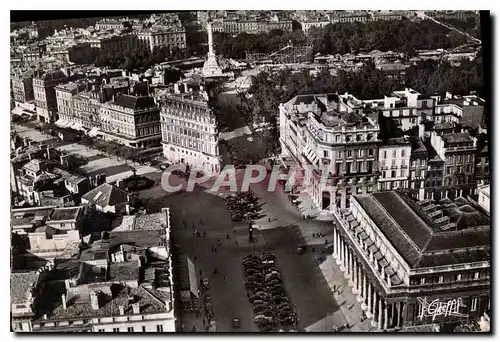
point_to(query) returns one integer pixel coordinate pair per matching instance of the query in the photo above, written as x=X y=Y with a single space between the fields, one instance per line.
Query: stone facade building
x=189 y=131
x=336 y=132
x=132 y=121
x=404 y=259
x=44 y=84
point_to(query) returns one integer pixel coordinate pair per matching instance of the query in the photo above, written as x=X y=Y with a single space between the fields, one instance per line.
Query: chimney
x=136 y=308
x=168 y=305
x=94 y=300
x=122 y=310
x=48 y=153
x=127 y=208
x=63 y=299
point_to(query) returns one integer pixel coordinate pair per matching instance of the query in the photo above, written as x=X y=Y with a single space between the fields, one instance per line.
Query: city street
x=304 y=280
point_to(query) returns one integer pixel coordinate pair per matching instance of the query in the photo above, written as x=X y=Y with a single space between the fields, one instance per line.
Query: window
x=403 y=153
x=62 y=224
x=476 y=275
x=360 y=153
x=393 y=174
x=100 y=330
x=370 y=152
x=359 y=190
x=394 y=153
x=116 y=329
x=349 y=154
x=385 y=154
x=337 y=138
x=360 y=166
x=459 y=277
x=325 y=154
x=159 y=328
x=348 y=138
x=339 y=154
x=143 y=328
x=130 y=329
x=422 y=281
x=440 y=280
x=473 y=306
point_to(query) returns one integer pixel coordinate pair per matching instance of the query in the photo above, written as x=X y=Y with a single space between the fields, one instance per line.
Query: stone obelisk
x=211 y=67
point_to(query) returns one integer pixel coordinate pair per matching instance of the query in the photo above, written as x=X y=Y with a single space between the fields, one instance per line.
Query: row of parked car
x=266 y=292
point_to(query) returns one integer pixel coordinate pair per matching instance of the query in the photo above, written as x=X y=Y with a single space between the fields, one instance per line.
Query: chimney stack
x=122 y=310
x=136 y=308
x=127 y=208
x=94 y=300
x=63 y=299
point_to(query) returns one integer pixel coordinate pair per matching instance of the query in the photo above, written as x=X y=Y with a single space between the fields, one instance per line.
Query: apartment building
x=65 y=94
x=394 y=157
x=251 y=26
x=405 y=107
x=484 y=197
x=160 y=36
x=401 y=257
x=132 y=121
x=114 y=43
x=335 y=134
x=458 y=151
x=189 y=130
x=86 y=106
x=44 y=83
x=22 y=85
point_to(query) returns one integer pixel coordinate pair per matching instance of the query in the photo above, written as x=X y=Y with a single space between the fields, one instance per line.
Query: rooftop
x=23 y=217
x=65 y=214
x=134 y=102
x=142 y=222
x=453 y=138
x=21 y=285
x=106 y=195
x=419 y=239
x=109 y=304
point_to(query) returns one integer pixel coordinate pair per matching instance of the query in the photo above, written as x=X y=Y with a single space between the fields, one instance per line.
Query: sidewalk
x=346 y=299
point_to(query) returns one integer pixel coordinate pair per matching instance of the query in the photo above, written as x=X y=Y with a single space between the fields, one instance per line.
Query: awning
x=59 y=122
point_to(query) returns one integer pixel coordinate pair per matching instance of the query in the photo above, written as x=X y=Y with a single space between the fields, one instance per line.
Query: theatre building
x=415 y=265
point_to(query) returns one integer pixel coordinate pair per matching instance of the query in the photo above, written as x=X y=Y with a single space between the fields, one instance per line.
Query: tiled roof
x=457 y=137
x=109 y=305
x=106 y=195
x=21 y=285
x=32 y=165
x=142 y=222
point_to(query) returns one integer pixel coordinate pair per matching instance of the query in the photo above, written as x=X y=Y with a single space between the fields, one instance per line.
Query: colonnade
x=383 y=315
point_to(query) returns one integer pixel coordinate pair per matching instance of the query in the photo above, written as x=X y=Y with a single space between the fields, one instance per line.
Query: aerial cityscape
x=250 y=171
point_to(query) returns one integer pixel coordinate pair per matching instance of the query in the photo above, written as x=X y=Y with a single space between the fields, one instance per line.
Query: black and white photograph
x=250 y=171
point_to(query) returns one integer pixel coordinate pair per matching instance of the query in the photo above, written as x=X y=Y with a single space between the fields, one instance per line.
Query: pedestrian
x=194 y=258
x=204 y=233
x=200 y=273
x=215 y=249
x=268 y=219
x=227 y=236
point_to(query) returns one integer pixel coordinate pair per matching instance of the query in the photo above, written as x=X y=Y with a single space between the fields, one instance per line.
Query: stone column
x=355 y=276
x=400 y=313
x=364 y=293
x=386 y=316
x=342 y=255
x=369 y=298
x=339 y=250
x=334 y=242
x=380 y=317
x=374 y=308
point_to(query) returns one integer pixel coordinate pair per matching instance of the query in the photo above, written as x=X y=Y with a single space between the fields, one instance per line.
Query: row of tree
x=140 y=59
x=397 y=35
